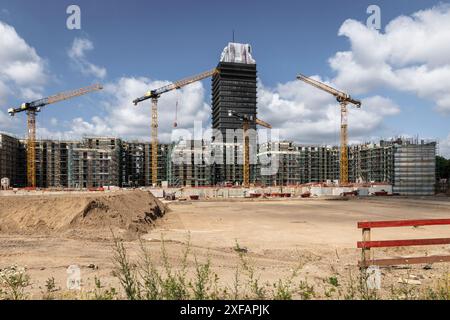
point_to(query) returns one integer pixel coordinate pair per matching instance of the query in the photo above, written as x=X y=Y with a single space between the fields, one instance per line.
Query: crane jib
x=344 y=99
x=35 y=105
x=155 y=94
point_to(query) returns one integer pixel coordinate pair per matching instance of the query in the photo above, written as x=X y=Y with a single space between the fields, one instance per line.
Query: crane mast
x=154 y=95
x=247 y=120
x=31 y=109
x=344 y=100
x=154 y=141
x=31 y=148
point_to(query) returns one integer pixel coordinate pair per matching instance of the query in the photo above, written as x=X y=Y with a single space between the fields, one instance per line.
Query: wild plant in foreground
x=13 y=282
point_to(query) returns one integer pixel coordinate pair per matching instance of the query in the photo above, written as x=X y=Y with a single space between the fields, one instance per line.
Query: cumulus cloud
x=410 y=56
x=308 y=115
x=3 y=92
x=4 y=120
x=123 y=119
x=8 y=123
x=77 y=54
x=444 y=147
x=22 y=70
x=301 y=113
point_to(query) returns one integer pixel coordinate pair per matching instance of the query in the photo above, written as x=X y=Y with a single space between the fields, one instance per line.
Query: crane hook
x=175 y=124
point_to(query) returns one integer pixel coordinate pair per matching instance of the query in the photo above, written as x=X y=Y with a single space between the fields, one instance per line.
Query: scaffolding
x=407 y=164
x=12 y=160
x=415 y=167
x=188 y=164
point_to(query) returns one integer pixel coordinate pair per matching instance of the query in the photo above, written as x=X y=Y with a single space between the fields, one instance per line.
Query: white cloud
x=79 y=46
x=444 y=147
x=77 y=53
x=30 y=94
x=381 y=106
x=3 y=92
x=4 y=120
x=8 y=123
x=302 y=113
x=22 y=70
x=412 y=55
x=308 y=115
x=125 y=120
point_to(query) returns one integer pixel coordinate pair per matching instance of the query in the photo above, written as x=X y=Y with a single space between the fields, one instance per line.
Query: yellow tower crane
x=344 y=99
x=154 y=95
x=32 y=108
x=247 y=121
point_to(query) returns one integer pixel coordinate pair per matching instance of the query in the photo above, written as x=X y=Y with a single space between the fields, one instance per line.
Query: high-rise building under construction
x=233 y=89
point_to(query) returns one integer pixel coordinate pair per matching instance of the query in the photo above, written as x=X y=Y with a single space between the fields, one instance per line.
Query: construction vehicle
x=247 y=120
x=154 y=95
x=344 y=99
x=32 y=108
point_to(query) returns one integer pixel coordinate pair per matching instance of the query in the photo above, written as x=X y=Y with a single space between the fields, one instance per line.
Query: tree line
x=442 y=168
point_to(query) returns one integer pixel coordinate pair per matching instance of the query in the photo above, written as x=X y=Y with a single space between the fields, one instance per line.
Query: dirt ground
x=126 y=213
x=317 y=235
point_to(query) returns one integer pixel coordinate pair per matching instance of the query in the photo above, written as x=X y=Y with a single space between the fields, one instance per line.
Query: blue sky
x=140 y=43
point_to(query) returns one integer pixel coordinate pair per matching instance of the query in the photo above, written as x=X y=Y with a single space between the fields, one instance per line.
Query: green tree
x=442 y=168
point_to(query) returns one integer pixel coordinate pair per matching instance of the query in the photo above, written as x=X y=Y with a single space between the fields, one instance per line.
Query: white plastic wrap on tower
x=237 y=53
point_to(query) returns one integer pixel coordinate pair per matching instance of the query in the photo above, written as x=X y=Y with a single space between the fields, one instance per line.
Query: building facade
x=234 y=88
x=414 y=168
x=12 y=160
x=95 y=162
x=190 y=164
x=409 y=165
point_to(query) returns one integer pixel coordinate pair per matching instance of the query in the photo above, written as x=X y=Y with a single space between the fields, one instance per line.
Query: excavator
x=34 y=107
x=344 y=100
x=154 y=95
x=247 y=120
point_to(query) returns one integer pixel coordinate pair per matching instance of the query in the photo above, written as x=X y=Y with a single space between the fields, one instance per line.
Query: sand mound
x=126 y=213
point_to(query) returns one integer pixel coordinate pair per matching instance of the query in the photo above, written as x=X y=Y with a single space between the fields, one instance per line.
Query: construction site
x=283 y=204
x=232 y=158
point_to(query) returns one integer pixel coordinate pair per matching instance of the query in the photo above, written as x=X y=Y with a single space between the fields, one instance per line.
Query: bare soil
x=127 y=214
x=317 y=235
